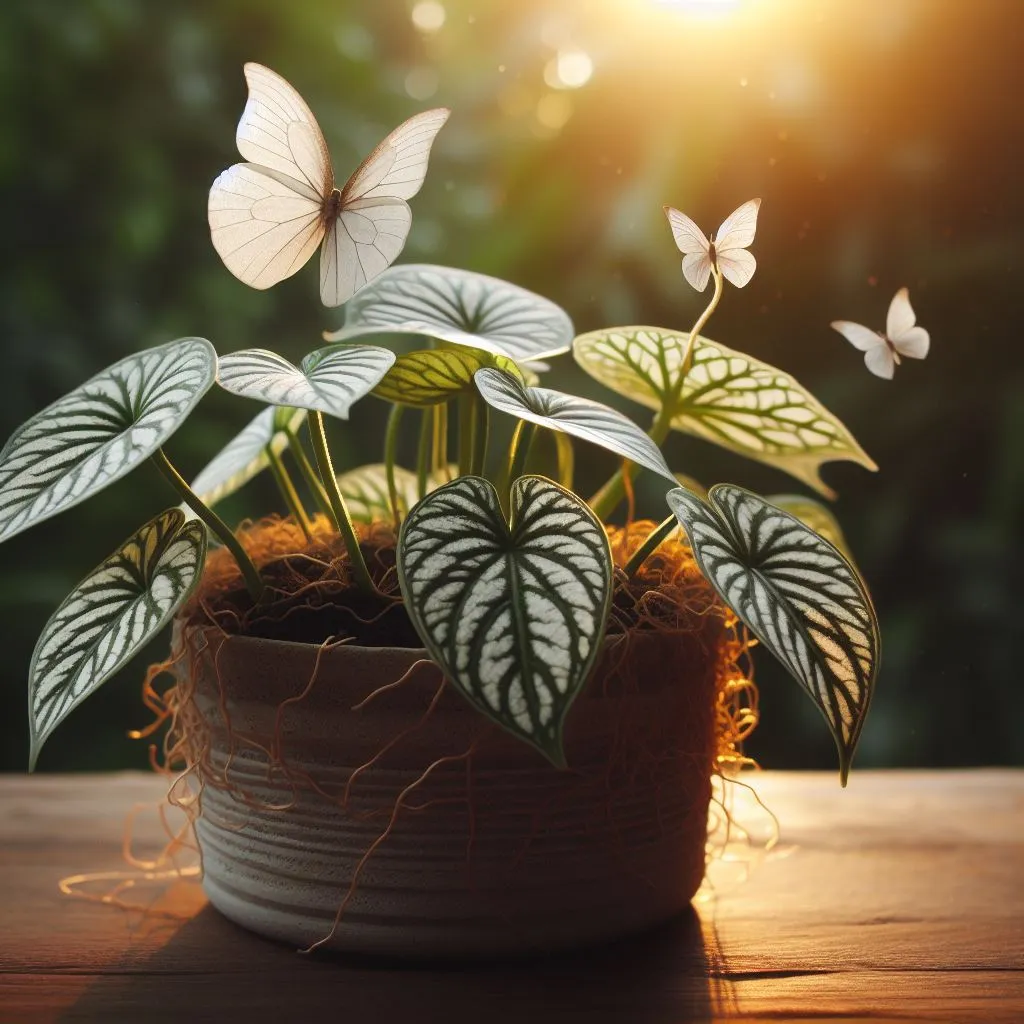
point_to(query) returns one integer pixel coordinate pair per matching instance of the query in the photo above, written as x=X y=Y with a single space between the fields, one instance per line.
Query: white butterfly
x=268 y=215
x=727 y=250
x=902 y=338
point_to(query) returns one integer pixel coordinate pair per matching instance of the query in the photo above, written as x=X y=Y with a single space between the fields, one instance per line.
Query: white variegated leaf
x=110 y=615
x=814 y=514
x=797 y=593
x=728 y=398
x=330 y=380
x=100 y=431
x=514 y=615
x=461 y=307
x=245 y=455
x=580 y=417
x=365 y=490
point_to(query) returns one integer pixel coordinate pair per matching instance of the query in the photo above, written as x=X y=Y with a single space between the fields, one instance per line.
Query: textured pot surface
x=477 y=845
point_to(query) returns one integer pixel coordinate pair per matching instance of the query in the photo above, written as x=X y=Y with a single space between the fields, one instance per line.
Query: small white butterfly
x=267 y=216
x=902 y=338
x=727 y=250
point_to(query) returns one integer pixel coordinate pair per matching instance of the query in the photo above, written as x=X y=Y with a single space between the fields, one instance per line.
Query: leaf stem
x=519 y=450
x=566 y=458
x=423 y=452
x=309 y=474
x=213 y=522
x=339 y=510
x=650 y=544
x=467 y=431
x=390 y=455
x=481 y=436
x=289 y=493
x=607 y=499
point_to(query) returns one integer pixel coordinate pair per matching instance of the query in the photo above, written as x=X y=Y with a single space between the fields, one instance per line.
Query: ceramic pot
x=493 y=852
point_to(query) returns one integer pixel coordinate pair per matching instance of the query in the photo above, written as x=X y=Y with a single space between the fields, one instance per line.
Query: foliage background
x=884 y=138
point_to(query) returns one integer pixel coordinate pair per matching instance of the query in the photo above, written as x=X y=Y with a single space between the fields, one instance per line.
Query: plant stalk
x=467 y=433
x=309 y=474
x=213 y=522
x=423 y=452
x=339 y=510
x=607 y=499
x=289 y=493
x=390 y=456
x=481 y=437
x=650 y=544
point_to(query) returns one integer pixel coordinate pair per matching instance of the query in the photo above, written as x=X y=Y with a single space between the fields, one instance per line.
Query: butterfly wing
x=736 y=265
x=689 y=238
x=907 y=339
x=374 y=218
x=364 y=241
x=262 y=227
x=695 y=247
x=397 y=167
x=738 y=229
x=265 y=216
x=278 y=131
x=880 y=361
x=858 y=335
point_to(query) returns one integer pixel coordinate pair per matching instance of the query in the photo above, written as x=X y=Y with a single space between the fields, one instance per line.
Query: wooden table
x=901 y=898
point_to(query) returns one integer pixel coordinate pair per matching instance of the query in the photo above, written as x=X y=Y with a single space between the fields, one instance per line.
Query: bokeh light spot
x=428 y=15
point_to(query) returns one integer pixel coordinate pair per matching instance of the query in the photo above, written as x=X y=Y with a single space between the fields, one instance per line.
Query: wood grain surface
x=898 y=899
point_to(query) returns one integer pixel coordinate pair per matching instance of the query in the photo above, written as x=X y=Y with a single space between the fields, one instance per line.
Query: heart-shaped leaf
x=514 y=615
x=108 y=617
x=365 y=490
x=587 y=420
x=245 y=455
x=433 y=375
x=100 y=431
x=728 y=398
x=461 y=307
x=814 y=514
x=801 y=598
x=330 y=380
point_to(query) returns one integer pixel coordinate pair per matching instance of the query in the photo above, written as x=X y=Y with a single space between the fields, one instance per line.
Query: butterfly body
x=883 y=352
x=269 y=215
x=724 y=253
x=332 y=207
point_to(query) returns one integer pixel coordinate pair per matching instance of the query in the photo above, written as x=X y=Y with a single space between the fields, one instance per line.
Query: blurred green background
x=884 y=138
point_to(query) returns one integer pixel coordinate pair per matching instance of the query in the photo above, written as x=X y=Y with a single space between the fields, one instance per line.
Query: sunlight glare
x=570 y=69
x=706 y=7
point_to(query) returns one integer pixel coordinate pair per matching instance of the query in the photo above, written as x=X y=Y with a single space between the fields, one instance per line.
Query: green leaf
x=463 y=308
x=801 y=598
x=728 y=398
x=100 y=431
x=108 y=617
x=365 y=490
x=589 y=421
x=434 y=375
x=814 y=514
x=330 y=380
x=245 y=456
x=514 y=615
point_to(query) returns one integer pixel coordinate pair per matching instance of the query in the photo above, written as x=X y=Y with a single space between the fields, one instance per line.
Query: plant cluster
x=506 y=575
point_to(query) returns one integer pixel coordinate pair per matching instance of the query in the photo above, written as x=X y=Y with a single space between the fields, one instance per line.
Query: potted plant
x=447 y=709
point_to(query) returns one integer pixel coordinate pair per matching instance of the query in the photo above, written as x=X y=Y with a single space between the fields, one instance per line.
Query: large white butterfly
x=727 y=250
x=902 y=338
x=267 y=216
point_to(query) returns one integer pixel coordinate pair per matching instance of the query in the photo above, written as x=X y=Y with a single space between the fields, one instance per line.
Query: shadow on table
x=210 y=969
